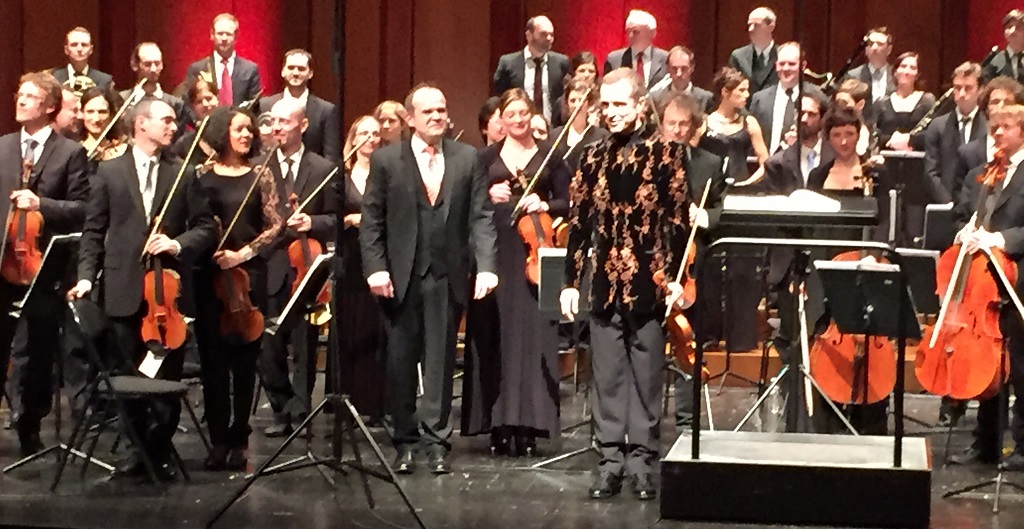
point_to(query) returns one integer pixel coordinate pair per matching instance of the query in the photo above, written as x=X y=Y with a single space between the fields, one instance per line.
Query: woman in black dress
x=581 y=131
x=731 y=131
x=900 y=112
x=511 y=389
x=229 y=362
x=204 y=97
x=361 y=344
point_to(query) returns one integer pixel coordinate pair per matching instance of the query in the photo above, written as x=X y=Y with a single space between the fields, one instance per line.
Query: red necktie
x=640 y=67
x=225 y=97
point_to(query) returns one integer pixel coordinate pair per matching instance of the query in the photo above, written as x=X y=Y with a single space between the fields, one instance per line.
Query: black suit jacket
x=701 y=167
x=245 y=79
x=623 y=58
x=116 y=228
x=1008 y=214
x=313 y=169
x=572 y=156
x=999 y=66
x=968 y=157
x=388 y=229
x=704 y=98
x=60 y=178
x=863 y=73
x=102 y=80
x=942 y=141
x=511 y=73
x=762 y=107
x=323 y=136
x=742 y=59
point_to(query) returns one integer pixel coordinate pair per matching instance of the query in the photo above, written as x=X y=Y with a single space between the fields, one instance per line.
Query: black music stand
x=301 y=304
x=904 y=172
x=52 y=280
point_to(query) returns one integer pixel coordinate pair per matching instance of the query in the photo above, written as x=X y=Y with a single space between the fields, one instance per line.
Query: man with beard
x=536 y=69
x=322 y=133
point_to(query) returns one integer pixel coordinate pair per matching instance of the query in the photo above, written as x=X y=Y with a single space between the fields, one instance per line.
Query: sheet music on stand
x=905 y=171
x=304 y=298
x=61 y=250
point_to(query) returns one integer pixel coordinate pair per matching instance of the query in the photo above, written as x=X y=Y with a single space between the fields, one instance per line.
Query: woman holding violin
x=231 y=285
x=98 y=108
x=1000 y=230
x=361 y=348
x=203 y=94
x=511 y=389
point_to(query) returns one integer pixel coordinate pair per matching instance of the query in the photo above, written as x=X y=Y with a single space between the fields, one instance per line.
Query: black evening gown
x=910 y=221
x=361 y=336
x=512 y=371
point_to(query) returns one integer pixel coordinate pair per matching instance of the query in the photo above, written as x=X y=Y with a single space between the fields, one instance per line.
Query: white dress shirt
x=296 y=158
x=218 y=65
x=764 y=52
x=1012 y=53
x=779 y=116
x=879 y=85
x=647 y=52
x=529 y=77
x=302 y=99
x=1015 y=161
x=72 y=73
x=805 y=168
x=146 y=171
x=969 y=125
x=435 y=170
x=40 y=137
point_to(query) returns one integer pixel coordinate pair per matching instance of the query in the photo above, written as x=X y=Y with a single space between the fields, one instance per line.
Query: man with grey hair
x=641 y=54
x=757 y=59
x=520 y=69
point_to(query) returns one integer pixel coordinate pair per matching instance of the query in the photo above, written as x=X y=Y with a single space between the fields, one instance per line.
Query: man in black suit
x=297 y=170
x=426 y=216
x=147 y=62
x=519 y=69
x=998 y=93
x=680 y=65
x=57 y=187
x=627 y=302
x=128 y=194
x=756 y=60
x=1003 y=229
x=238 y=80
x=681 y=116
x=948 y=132
x=78 y=48
x=1009 y=62
x=641 y=55
x=774 y=107
x=323 y=132
x=68 y=122
x=877 y=72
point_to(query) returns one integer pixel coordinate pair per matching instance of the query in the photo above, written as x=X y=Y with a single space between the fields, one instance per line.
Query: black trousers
x=288 y=397
x=986 y=433
x=156 y=421
x=628 y=369
x=422 y=328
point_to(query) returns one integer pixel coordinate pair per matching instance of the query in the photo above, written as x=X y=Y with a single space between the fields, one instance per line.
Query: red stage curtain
x=985 y=20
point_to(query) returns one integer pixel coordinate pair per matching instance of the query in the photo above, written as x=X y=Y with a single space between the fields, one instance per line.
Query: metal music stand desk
x=52 y=280
x=302 y=302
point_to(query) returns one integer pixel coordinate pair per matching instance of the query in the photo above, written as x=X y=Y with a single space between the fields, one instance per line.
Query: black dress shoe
x=216 y=460
x=132 y=468
x=236 y=459
x=526 y=445
x=643 y=487
x=405 y=463
x=975 y=455
x=30 y=443
x=437 y=461
x=606 y=486
x=1014 y=463
x=501 y=443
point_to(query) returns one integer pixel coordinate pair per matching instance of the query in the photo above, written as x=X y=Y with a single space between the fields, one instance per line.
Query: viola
x=537 y=231
x=301 y=253
x=163 y=324
x=240 y=321
x=962 y=355
x=21 y=255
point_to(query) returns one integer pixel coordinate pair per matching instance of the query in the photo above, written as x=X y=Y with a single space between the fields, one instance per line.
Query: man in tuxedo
x=876 y=72
x=948 y=132
x=681 y=117
x=297 y=171
x=774 y=107
x=238 y=80
x=998 y=93
x=78 y=49
x=322 y=134
x=426 y=216
x=680 y=65
x=127 y=195
x=147 y=62
x=627 y=302
x=68 y=122
x=57 y=187
x=641 y=54
x=1003 y=229
x=519 y=69
x=1009 y=62
x=756 y=60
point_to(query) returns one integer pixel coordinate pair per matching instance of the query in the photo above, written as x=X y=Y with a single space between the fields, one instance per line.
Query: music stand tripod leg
x=763 y=397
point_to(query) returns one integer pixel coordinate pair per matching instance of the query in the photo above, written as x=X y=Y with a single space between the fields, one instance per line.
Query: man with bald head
x=641 y=54
x=426 y=216
x=757 y=59
x=297 y=171
x=127 y=193
x=536 y=69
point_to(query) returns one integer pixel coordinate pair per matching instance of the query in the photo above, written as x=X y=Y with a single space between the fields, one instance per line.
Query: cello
x=962 y=355
x=21 y=258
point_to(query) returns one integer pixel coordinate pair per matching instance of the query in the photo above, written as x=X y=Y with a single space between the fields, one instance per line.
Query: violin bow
x=1007 y=285
x=583 y=135
x=117 y=116
x=327 y=180
x=689 y=244
x=249 y=104
x=159 y=219
x=263 y=168
x=554 y=146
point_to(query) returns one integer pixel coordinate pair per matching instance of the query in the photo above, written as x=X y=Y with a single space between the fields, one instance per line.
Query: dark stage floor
x=483 y=492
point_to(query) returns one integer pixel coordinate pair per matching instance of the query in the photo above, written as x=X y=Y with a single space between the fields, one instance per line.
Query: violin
x=21 y=257
x=162 y=324
x=962 y=355
x=301 y=253
x=537 y=231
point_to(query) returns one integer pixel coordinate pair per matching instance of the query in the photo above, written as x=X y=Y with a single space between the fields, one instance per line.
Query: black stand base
x=999 y=481
x=343 y=409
